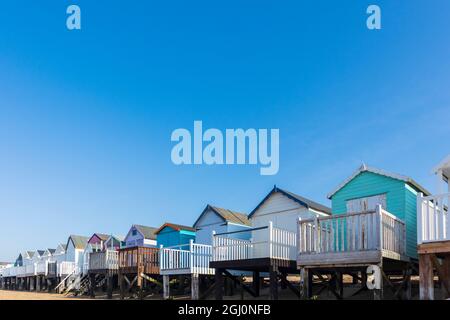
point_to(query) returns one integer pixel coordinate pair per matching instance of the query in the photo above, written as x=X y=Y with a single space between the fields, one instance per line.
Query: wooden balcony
x=192 y=258
x=137 y=260
x=433 y=223
x=104 y=261
x=354 y=239
x=269 y=246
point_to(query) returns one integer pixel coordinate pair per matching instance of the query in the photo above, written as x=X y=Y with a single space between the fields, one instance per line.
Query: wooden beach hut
x=433 y=235
x=373 y=223
x=104 y=263
x=139 y=261
x=269 y=247
x=192 y=257
x=70 y=270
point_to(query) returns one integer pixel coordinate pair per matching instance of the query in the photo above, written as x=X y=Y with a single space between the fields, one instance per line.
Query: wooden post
x=92 y=285
x=166 y=287
x=109 y=285
x=273 y=274
x=121 y=286
x=256 y=282
x=426 y=274
x=219 y=284
x=378 y=294
x=38 y=283
x=195 y=286
x=445 y=276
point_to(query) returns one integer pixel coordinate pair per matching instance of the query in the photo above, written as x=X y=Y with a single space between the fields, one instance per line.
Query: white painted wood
x=433 y=218
x=192 y=258
x=351 y=233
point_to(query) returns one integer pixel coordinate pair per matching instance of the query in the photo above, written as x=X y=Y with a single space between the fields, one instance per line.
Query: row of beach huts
x=378 y=222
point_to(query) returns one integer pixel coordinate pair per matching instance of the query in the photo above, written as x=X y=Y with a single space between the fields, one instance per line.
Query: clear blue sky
x=86 y=117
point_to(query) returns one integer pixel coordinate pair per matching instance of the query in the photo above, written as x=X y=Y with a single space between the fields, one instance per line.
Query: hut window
x=134 y=232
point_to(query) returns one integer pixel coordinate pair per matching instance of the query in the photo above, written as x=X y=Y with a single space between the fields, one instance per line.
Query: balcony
x=351 y=239
x=192 y=258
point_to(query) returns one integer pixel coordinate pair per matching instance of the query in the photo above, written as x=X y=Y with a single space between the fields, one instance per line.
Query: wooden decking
x=357 y=239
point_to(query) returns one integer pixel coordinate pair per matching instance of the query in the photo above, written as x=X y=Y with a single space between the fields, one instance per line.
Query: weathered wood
x=109 y=284
x=287 y=284
x=92 y=285
x=426 y=282
x=273 y=284
x=122 y=286
x=195 y=286
x=219 y=284
x=236 y=281
x=442 y=274
x=446 y=274
x=166 y=287
x=256 y=283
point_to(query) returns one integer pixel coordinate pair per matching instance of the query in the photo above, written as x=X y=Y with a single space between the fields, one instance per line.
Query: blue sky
x=86 y=116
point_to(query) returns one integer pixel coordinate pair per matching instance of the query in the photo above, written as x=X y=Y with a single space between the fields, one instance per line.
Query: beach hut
x=25 y=269
x=191 y=258
x=138 y=260
x=271 y=244
x=104 y=263
x=70 y=270
x=373 y=223
x=433 y=238
x=115 y=242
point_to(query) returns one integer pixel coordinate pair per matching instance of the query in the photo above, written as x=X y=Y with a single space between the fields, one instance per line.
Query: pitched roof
x=365 y=168
x=30 y=254
x=79 y=242
x=226 y=215
x=310 y=204
x=101 y=236
x=147 y=232
x=52 y=251
x=176 y=227
x=40 y=252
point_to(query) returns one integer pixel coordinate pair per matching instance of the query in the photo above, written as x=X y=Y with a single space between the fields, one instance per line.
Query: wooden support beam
x=195 y=286
x=426 y=282
x=92 y=285
x=256 y=283
x=109 y=285
x=446 y=273
x=219 y=283
x=238 y=282
x=166 y=287
x=122 y=286
x=442 y=275
x=273 y=289
x=284 y=280
x=208 y=291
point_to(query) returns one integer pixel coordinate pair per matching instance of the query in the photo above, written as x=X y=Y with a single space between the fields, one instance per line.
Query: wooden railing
x=266 y=242
x=192 y=258
x=67 y=267
x=371 y=230
x=104 y=260
x=41 y=268
x=139 y=259
x=433 y=222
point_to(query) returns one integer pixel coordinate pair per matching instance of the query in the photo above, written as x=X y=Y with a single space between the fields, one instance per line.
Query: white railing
x=362 y=231
x=192 y=258
x=6 y=272
x=433 y=222
x=266 y=242
x=42 y=268
x=13 y=271
x=105 y=260
x=21 y=271
x=67 y=267
x=30 y=269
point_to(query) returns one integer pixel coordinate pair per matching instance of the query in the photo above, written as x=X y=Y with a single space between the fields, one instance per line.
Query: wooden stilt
x=121 y=286
x=426 y=282
x=166 y=287
x=256 y=282
x=92 y=285
x=109 y=286
x=446 y=276
x=273 y=276
x=219 y=284
x=195 y=289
